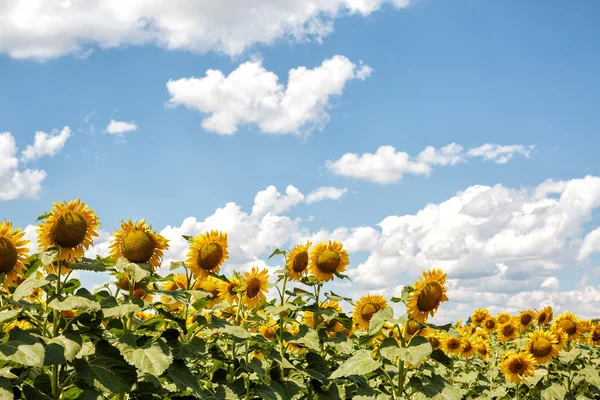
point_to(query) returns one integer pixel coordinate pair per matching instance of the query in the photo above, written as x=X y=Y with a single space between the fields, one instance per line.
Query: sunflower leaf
x=277 y=251
x=87 y=264
x=43 y=217
x=71 y=344
x=555 y=391
x=120 y=310
x=8 y=315
x=48 y=256
x=136 y=271
x=25 y=288
x=22 y=348
x=360 y=364
x=152 y=358
x=74 y=303
x=176 y=265
x=335 y=297
x=379 y=319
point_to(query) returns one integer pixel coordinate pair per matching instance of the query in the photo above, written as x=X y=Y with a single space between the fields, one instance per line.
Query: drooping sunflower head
x=544 y=317
x=467 y=349
x=526 y=318
x=12 y=252
x=325 y=259
x=503 y=318
x=72 y=226
x=595 y=334
x=211 y=285
x=561 y=337
x=516 y=366
x=136 y=242
x=542 y=345
x=208 y=252
x=507 y=331
x=227 y=290
x=480 y=315
x=430 y=291
x=489 y=324
x=482 y=348
x=569 y=323
x=254 y=287
x=452 y=345
x=365 y=308
x=297 y=261
x=435 y=341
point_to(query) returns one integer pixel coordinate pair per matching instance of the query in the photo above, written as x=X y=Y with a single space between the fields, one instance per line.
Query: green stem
x=56 y=319
x=391 y=381
x=280 y=335
x=401 y=368
x=517 y=397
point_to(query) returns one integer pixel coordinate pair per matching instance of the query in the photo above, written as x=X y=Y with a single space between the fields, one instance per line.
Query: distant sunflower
x=526 y=318
x=21 y=324
x=179 y=282
x=595 y=334
x=542 y=345
x=569 y=323
x=297 y=261
x=412 y=327
x=254 y=287
x=430 y=291
x=489 y=324
x=561 y=337
x=434 y=341
x=333 y=325
x=325 y=259
x=269 y=328
x=12 y=253
x=507 y=331
x=516 y=366
x=481 y=334
x=136 y=242
x=211 y=285
x=544 y=317
x=227 y=290
x=479 y=315
x=207 y=253
x=72 y=226
x=452 y=345
x=365 y=308
x=467 y=349
x=482 y=348
x=503 y=318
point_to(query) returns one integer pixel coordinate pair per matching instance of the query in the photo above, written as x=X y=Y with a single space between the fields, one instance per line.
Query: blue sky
x=507 y=73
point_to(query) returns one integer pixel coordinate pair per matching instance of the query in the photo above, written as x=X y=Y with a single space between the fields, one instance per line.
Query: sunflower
x=211 y=285
x=489 y=324
x=561 y=337
x=516 y=366
x=21 y=324
x=503 y=318
x=138 y=244
x=333 y=325
x=325 y=259
x=430 y=291
x=269 y=329
x=526 y=318
x=72 y=226
x=479 y=315
x=468 y=330
x=144 y=315
x=297 y=261
x=140 y=289
x=542 y=345
x=208 y=252
x=595 y=334
x=412 y=327
x=68 y=314
x=482 y=348
x=227 y=290
x=507 y=331
x=481 y=334
x=179 y=282
x=544 y=317
x=452 y=345
x=12 y=252
x=569 y=323
x=365 y=308
x=466 y=348
x=254 y=287
x=435 y=341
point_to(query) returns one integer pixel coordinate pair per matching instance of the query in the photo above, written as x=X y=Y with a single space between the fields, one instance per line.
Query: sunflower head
x=516 y=366
x=297 y=261
x=136 y=242
x=489 y=324
x=211 y=285
x=325 y=259
x=570 y=324
x=561 y=337
x=507 y=331
x=595 y=334
x=430 y=291
x=435 y=341
x=526 y=318
x=452 y=345
x=12 y=253
x=72 y=226
x=365 y=308
x=542 y=345
x=208 y=251
x=480 y=315
x=269 y=329
x=333 y=325
x=254 y=287
x=466 y=348
x=503 y=318
x=227 y=290
x=482 y=348
x=544 y=317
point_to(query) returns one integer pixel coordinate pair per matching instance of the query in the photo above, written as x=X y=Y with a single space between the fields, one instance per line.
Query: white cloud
x=120 y=127
x=388 y=165
x=591 y=245
x=325 y=193
x=46 y=144
x=550 y=283
x=500 y=154
x=52 y=28
x=252 y=95
x=16 y=183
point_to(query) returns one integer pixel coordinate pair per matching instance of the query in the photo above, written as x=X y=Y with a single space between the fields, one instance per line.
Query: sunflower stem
x=391 y=381
x=56 y=319
x=281 y=352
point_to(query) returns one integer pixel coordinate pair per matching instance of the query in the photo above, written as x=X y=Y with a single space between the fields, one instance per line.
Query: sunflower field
x=197 y=333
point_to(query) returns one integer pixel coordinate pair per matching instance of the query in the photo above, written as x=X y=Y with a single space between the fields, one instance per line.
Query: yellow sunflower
x=435 y=341
x=516 y=366
x=333 y=325
x=227 y=290
x=595 y=334
x=526 y=318
x=12 y=252
x=72 y=226
x=544 y=317
x=254 y=287
x=411 y=328
x=138 y=244
x=489 y=324
x=452 y=345
x=208 y=252
x=21 y=324
x=507 y=331
x=297 y=261
x=503 y=318
x=325 y=259
x=479 y=315
x=482 y=348
x=68 y=314
x=467 y=349
x=481 y=334
x=211 y=285
x=430 y=291
x=365 y=308
x=561 y=337
x=179 y=282
x=269 y=329
x=542 y=345
x=569 y=323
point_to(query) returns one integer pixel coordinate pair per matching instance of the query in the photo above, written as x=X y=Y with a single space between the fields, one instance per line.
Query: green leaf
x=152 y=358
x=108 y=368
x=435 y=388
x=87 y=264
x=277 y=251
x=317 y=367
x=120 y=310
x=183 y=377
x=406 y=291
x=537 y=376
x=48 y=256
x=8 y=315
x=236 y=331
x=70 y=342
x=591 y=375
x=27 y=286
x=336 y=297
x=136 y=272
x=554 y=392
x=307 y=338
x=379 y=319
x=74 y=303
x=32 y=393
x=396 y=299
x=176 y=265
x=5 y=373
x=360 y=364
x=6 y=389
x=22 y=348
x=569 y=356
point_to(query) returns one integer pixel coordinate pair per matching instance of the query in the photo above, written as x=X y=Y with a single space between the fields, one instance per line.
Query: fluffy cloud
x=550 y=283
x=388 y=165
x=325 y=193
x=120 y=127
x=15 y=183
x=252 y=95
x=591 y=244
x=52 y=28
x=46 y=144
